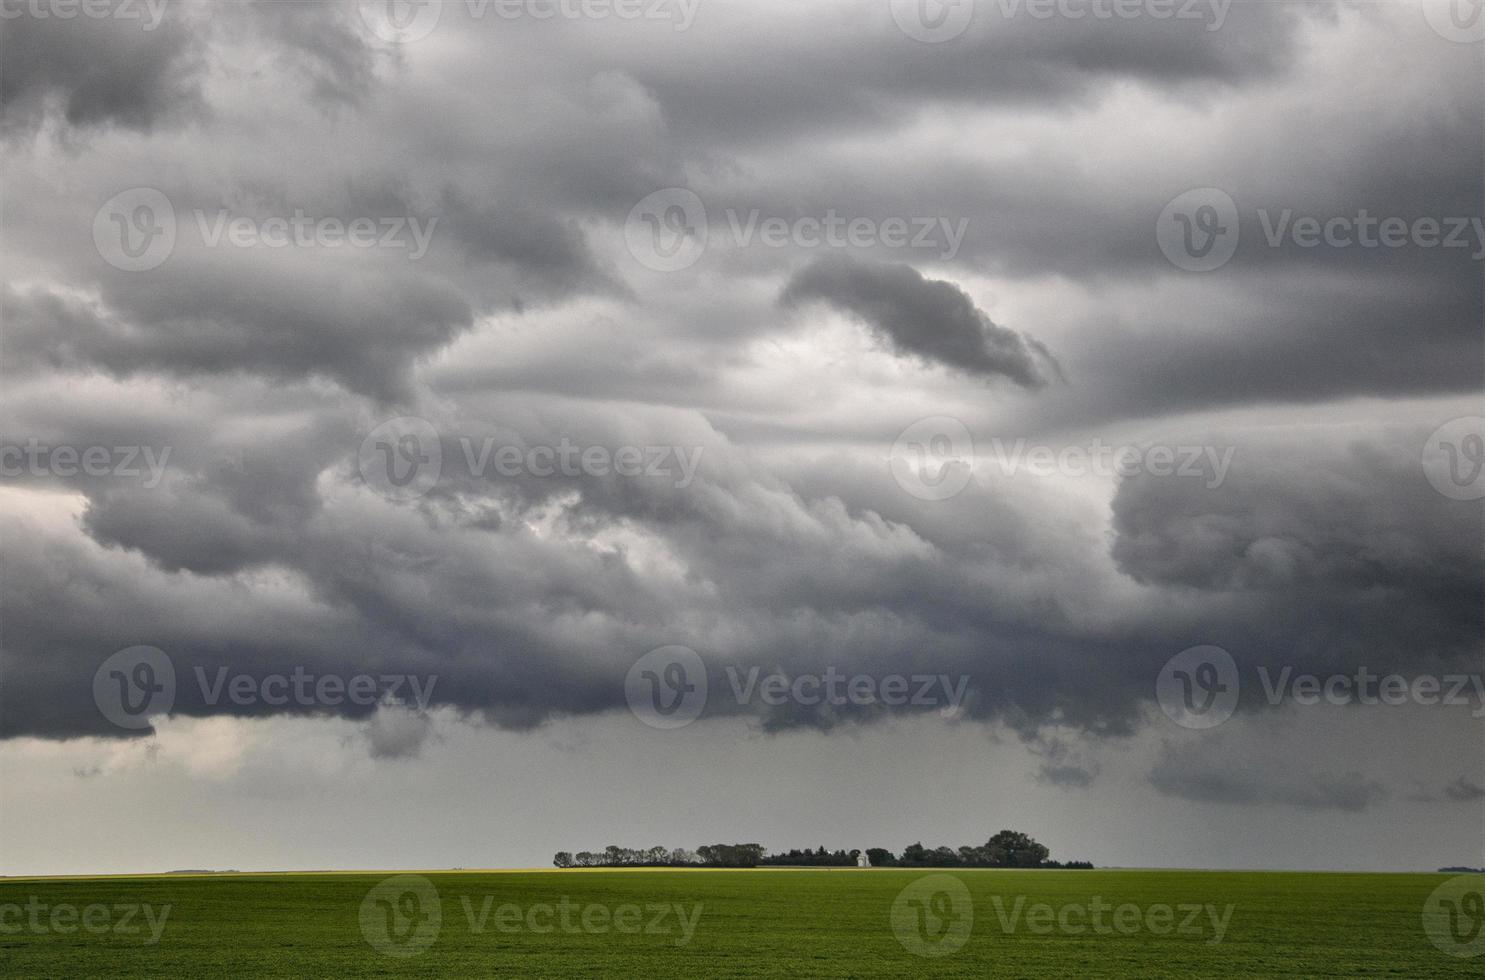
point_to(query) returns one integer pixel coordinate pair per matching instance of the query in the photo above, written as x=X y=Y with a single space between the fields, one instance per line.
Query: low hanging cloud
x=1203 y=775
x=920 y=317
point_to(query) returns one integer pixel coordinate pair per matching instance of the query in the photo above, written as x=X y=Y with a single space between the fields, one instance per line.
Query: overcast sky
x=1013 y=349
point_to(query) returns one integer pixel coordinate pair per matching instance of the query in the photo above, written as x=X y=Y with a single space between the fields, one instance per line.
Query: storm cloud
x=827 y=394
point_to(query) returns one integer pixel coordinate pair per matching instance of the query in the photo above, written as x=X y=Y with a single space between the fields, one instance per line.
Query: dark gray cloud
x=1349 y=792
x=362 y=329
x=921 y=317
x=1075 y=777
x=317 y=41
x=1464 y=790
x=827 y=69
x=1345 y=545
x=130 y=71
x=833 y=567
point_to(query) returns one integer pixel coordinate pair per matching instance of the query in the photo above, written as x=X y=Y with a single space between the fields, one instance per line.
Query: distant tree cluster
x=818 y=858
x=709 y=855
x=1007 y=849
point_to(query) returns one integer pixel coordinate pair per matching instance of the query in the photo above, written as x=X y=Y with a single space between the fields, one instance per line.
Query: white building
x=862 y=861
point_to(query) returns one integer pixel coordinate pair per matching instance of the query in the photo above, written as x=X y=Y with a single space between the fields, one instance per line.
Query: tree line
x=1007 y=849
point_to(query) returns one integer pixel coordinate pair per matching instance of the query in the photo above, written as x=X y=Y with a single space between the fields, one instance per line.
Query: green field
x=804 y=923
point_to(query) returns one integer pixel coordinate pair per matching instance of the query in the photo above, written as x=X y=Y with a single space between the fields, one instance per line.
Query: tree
x=1013 y=849
x=562 y=860
x=880 y=857
x=973 y=857
x=943 y=857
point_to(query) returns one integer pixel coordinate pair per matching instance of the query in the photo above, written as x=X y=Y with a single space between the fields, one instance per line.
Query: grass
x=769 y=922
